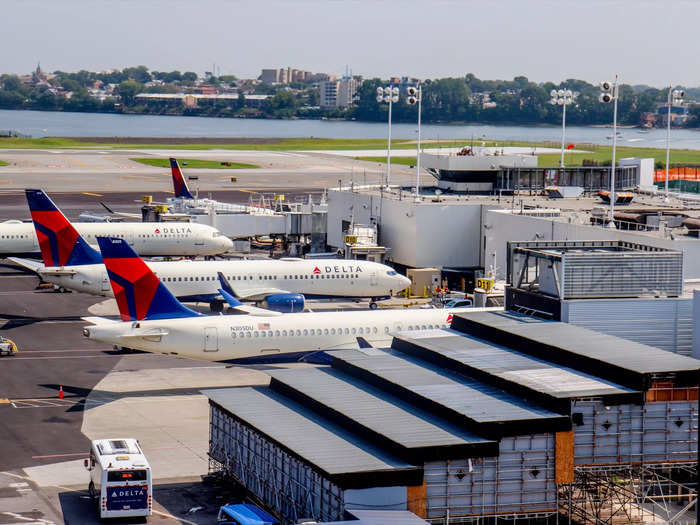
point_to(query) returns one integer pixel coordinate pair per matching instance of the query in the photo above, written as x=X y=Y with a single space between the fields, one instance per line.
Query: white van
x=120 y=478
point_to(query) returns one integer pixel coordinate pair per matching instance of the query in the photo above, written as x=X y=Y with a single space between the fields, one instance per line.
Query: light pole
x=415 y=95
x=609 y=93
x=675 y=97
x=389 y=94
x=563 y=98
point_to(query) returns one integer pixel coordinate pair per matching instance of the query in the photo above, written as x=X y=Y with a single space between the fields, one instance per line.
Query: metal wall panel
x=519 y=480
x=663 y=323
x=283 y=482
x=622 y=274
x=656 y=432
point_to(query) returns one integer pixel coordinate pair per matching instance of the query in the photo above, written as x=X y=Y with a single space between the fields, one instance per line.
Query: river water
x=65 y=124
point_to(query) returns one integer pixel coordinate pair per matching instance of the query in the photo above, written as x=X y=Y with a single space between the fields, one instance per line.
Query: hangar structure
x=501 y=416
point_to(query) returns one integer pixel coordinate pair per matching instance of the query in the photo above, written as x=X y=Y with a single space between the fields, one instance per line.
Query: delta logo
x=449 y=318
x=338 y=269
x=317 y=270
x=157 y=230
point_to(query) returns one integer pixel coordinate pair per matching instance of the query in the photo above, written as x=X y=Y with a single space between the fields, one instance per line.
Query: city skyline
x=645 y=42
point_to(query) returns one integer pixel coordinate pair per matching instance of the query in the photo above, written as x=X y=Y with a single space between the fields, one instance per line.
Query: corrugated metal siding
x=655 y=432
x=520 y=479
x=663 y=323
x=622 y=274
x=284 y=483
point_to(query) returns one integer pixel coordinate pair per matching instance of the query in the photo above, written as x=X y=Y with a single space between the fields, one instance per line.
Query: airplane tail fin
x=179 y=184
x=60 y=242
x=139 y=293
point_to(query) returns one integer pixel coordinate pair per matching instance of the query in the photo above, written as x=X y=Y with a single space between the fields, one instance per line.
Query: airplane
x=279 y=285
x=153 y=320
x=148 y=238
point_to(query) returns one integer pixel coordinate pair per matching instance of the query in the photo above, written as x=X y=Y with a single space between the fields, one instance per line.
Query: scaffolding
x=639 y=493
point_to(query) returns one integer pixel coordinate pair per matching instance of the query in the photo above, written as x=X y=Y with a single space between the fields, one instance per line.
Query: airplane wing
x=258 y=294
x=235 y=304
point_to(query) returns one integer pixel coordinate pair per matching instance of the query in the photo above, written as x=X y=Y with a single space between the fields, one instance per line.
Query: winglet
x=138 y=291
x=226 y=285
x=60 y=242
x=363 y=343
x=179 y=184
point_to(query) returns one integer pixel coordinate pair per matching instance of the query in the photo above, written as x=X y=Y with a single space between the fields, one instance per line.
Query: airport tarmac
x=112 y=170
x=107 y=393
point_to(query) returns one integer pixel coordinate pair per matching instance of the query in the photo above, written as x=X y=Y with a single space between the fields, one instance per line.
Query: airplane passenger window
x=347 y=331
x=332 y=331
x=269 y=333
x=284 y=333
x=361 y=331
x=325 y=331
x=233 y=335
x=306 y=332
x=313 y=332
x=277 y=333
x=248 y=334
x=255 y=334
x=375 y=329
x=354 y=331
x=298 y=333
x=386 y=329
x=262 y=334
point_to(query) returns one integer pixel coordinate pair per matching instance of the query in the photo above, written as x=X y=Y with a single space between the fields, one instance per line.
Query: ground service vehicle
x=244 y=514
x=120 y=478
x=7 y=347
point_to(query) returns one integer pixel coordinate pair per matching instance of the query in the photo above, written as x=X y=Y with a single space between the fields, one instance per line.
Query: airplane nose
x=226 y=243
x=405 y=282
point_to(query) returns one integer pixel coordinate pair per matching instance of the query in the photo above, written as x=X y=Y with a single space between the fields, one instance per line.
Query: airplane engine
x=286 y=303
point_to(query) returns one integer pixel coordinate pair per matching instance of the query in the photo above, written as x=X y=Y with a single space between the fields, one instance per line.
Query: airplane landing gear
x=372 y=305
x=216 y=306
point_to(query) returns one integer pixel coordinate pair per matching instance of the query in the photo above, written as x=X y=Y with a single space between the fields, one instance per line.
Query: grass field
x=3 y=163
x=196 y=163
x=597 y=152
x=291 y=144
x=404 y=161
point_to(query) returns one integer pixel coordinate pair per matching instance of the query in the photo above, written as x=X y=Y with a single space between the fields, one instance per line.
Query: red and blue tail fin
x=60 y=242
x=139 y=293
x=181 y=189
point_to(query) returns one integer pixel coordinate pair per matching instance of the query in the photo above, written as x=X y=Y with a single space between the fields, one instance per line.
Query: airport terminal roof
x=481 y=407
x=552 y=384
x=613 y=358
x=343 y=457
x=402 y=428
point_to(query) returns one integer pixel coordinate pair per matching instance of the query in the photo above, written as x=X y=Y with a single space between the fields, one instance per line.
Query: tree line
x=466 y=99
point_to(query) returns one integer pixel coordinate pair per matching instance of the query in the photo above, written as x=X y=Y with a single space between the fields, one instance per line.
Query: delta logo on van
x=127 y=498
x=449 y=318
x=338 y=269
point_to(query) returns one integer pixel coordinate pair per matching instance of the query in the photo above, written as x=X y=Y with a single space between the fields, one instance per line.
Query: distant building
x=338 y=94
x=270 y=76
x=287 y=76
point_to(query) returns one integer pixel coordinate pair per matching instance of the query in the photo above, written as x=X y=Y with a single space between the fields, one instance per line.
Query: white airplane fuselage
x=198 y=280
x=222 y=338
x=146 y=238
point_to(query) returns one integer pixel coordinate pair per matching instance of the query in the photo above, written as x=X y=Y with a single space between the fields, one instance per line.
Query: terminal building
x=503 y=416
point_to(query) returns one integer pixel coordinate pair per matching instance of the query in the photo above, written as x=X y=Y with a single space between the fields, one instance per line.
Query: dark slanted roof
x=548 y=383
x=613 y=358
x=344 y=458
x=480 y=407
x=396 y=425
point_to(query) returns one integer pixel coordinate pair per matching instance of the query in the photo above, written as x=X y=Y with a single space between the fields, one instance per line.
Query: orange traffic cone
x=60 y=392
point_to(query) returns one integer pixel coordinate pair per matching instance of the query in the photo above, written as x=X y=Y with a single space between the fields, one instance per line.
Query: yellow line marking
x=93 y=194
x=4 y=401
x=247 y=191
x=169 y=191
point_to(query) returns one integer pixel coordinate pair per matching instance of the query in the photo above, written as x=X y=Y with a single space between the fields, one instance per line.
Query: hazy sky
x=651 y=42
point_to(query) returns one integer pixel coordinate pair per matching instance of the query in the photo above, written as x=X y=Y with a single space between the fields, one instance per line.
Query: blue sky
x=652 y=42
